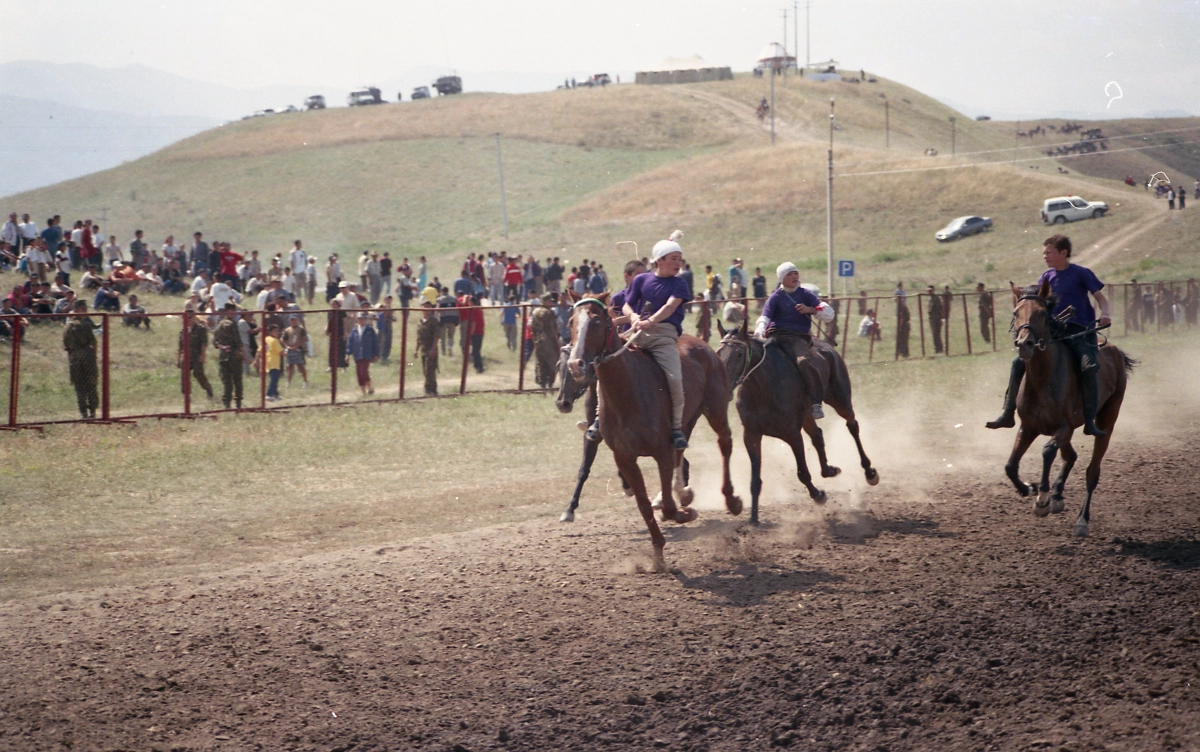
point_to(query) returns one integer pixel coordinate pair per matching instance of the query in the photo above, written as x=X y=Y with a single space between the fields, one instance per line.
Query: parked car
x=261 y=113
x=421 y=92
x=289 y=108
x=315 y=102
x=364 y=96
x=1070 y=208
x=962 y=227
x=448 y=85
x=981 y=118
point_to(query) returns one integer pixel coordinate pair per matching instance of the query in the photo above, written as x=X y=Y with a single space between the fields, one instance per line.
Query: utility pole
x=785 y=42
x=772 y=103
x=796 y=29
x=807 y=35
x=952 y=121
x=829 y=204
x=500 y=172
x=887 y=124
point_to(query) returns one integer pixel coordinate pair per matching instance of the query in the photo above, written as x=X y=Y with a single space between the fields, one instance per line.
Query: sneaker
x=818 y=412
x=678 y=440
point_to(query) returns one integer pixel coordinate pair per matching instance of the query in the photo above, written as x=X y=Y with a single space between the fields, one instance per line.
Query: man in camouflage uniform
x=228 y=341
x=935 y=318
x=429 y=334
x=987 y=309
x=79 y=341
x=197 y=344
x=544 y=325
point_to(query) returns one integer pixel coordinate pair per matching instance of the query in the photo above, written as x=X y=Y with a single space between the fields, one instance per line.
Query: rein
x=1041 y=343
x=747 y=370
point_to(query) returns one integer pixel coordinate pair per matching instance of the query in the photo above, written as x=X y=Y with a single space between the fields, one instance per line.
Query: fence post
x=185 y=344
x=262 y=363
x=921 y=322
x=871 y=333
x=521 y=347
x=14 y=378
x=967 y=321
x=993 y=309
x=105 y=412
x=466 y=348
x=403 y=347
x=946 y=310
x=846 y=328
x=335 y=345
x=1125 y=310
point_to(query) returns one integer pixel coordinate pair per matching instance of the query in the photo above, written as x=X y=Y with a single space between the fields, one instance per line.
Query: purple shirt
x=781 y=310
x=1072 y=286
x=649 y=293
x=617 y=304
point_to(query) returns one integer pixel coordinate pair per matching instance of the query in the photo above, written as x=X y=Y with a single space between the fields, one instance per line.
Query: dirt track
x=954 y=621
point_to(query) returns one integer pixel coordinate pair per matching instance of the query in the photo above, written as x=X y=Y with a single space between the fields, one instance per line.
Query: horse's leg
x=679 y=484
x=1068 y=462
x=585 y=469
x=669 y=468
x=1012 y=469
x=1041 y=507
x=633 y=474
x=1107 y=420
x=818 y=440
x=753 y=443
x=718 y=420
x=852 y=426
x=796 y=442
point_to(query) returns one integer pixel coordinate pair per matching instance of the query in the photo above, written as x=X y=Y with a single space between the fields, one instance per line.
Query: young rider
x=1071 y=284
x=654 y=308
x=787 y=317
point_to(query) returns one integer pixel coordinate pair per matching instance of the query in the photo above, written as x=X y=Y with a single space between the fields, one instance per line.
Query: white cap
x=663 y=247
x=784 y=269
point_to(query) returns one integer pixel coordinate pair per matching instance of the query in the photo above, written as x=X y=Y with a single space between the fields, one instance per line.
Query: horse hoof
x=658 y=561
x=656 y=502
x=734 y=505
x=1057 y=505
x=820 y=497
x=684 y=516
x=830 y=472
x=628 y=491
x=1081 y=530
x=582 y=425
x=686 y=496
x=872 y=477
x=567 y=516
x=1042 y=498
x=1040 y=509
x=1027 y=489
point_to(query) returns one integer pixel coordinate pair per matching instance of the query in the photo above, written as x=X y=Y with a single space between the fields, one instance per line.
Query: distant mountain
x=47 y=142
x=139 y=90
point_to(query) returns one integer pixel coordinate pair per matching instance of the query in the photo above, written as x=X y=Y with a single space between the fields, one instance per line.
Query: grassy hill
x=586 y=168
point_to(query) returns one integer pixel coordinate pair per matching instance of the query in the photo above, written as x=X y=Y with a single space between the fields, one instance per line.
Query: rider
x=787 y=317
x=1071 y=284
x=654 y=307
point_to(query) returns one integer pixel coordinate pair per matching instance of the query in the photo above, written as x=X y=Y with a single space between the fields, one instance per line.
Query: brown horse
x=772 y=401
x=635 y=410
x=1050 y=403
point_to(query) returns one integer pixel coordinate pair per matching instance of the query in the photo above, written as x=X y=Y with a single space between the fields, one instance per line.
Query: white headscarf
x=784 y=269
x=663 y=247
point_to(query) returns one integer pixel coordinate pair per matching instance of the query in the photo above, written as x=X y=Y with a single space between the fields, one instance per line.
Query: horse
x=772 y=401
x=635 y=410
x=569 y=391
x=1049 y=403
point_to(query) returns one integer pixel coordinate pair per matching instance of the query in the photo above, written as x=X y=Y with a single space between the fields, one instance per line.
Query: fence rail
x=143 y=374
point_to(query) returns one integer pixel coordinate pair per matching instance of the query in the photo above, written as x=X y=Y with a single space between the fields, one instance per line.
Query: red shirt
x=89 y=247
x=472 y=314
x=229 y=262
x=512 y=274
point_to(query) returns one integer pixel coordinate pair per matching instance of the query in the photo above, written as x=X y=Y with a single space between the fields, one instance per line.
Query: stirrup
x=678 y=440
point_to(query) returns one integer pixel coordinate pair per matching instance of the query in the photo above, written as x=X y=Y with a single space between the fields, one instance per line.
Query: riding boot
x=1091 y=398
x=1007 y=418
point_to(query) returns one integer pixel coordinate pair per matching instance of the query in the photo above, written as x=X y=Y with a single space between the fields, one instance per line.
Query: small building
x=826 y=71
x=686 y=70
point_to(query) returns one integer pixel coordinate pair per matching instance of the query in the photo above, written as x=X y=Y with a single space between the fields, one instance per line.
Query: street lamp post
x=952 y=124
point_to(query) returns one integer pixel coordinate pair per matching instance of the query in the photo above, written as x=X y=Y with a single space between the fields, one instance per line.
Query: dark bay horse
x=772 y=401
x=635 y=410
x=1050 y=403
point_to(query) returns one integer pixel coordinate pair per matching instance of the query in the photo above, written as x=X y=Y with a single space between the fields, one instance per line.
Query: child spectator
x=274 y=362
x=134 y=315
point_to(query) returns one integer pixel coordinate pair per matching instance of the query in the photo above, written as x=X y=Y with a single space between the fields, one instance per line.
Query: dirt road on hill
x=941 y=617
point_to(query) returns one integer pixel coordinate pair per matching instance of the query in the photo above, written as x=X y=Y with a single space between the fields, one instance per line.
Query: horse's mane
x=1032 y=292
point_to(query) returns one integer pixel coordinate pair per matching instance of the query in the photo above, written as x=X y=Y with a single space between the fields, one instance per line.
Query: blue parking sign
x=845 y=268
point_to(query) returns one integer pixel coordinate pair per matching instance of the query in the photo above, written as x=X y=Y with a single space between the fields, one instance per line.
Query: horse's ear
x=1044 y=290
x=571 y=294
x=603 y=297
x=745 y=332
x=721 y=329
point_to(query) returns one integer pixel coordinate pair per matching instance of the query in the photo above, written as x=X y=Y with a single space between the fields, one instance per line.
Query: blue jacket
x=364 y=346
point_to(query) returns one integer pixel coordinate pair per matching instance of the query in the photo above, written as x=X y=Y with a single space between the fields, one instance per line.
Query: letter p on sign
x=845 y=268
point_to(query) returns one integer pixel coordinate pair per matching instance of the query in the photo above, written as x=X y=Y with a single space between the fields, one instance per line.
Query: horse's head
x=569 y=389
x=592 y=331
x=1031 y=320
x=734 y=352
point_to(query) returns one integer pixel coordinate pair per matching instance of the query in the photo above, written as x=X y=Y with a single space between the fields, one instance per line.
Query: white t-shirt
x=29 y=230
x=363 y=260
x=222 y=294
x=199 y=284
x=63 y=261
x=299 y=261
x=289 y=283
x=348 y=300
x=170 y=251
x=77 y=235
x=112 y=252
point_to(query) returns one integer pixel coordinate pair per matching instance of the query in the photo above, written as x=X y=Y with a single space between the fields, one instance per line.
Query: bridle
x=610 y=331
x=747 y=369
x=1041 y=342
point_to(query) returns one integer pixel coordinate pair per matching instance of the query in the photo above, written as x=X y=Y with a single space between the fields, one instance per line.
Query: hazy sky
x=1012 y=56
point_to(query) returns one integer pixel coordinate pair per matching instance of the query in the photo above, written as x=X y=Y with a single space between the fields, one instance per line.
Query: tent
x=774 y=56
x=685 y=70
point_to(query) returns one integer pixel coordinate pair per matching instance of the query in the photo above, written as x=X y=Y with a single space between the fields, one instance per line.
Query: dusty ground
x=891 y=620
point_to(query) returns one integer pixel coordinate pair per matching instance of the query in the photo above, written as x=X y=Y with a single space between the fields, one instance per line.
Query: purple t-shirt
x=654 y=291
x=1072 y=286
x=617 y=304
x=781 y=310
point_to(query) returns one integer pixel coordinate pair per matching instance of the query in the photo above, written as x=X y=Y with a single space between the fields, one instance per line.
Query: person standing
x=79 y=340
x=935 y=318
x=554 y=276
x=273 y=361
x=421 y=274
x=200 y=254
x=703 y=319
x=760 y=287
x=449 y=319
x=310 y=276
x=1170 y=199
x=29 y=231
x=473 y=329
x=987 y=309
x=295 y=343
x=298 y=260
x=363 y=346
x=197 y=347
x=11 y=234
x=385 y=273
x=512 y=279
x=494 y=269
x=228 y=342
x=335 y=328
x=737 y=275
x=544 y=324
x=363 y=260
x=385 y=318
x=1182 y=199
x=333 y=277
x=374 y=287
x=508 y=319
x=903 y=326
x=428 y=336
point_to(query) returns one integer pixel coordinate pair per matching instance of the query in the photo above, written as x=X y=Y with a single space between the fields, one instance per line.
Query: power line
x=1014 y=161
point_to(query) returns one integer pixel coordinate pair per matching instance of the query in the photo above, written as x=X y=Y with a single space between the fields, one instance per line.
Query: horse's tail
x=1129 y=362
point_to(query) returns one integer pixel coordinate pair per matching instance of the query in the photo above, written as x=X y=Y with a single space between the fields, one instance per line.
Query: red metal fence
x=144 y=374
